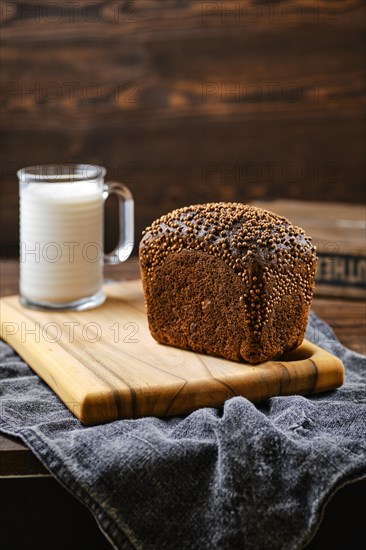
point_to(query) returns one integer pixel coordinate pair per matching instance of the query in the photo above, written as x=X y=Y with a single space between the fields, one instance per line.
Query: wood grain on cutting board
x=105 y=365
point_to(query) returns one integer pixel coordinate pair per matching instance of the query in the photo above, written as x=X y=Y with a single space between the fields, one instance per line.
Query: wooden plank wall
x=185 y=100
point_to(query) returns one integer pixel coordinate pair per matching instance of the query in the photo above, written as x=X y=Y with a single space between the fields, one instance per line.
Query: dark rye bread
x=229 y=280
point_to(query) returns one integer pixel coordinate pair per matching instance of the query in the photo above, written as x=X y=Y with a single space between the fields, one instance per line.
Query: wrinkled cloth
x=242 y=476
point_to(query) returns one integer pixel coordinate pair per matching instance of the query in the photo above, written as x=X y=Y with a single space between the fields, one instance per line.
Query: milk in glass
x=61 y=234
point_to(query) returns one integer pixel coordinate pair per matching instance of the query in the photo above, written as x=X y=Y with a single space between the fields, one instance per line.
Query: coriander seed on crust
x=229 y=280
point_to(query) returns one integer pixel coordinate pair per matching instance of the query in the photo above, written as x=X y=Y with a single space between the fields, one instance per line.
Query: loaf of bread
x=229 y=280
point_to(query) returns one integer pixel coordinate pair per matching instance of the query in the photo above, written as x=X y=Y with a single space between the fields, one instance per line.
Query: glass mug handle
x=126 y=222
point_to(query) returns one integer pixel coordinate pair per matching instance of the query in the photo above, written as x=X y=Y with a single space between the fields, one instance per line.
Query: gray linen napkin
x=243 y=476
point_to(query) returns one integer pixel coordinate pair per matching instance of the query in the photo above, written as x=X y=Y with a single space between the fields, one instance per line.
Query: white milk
x=61 y=235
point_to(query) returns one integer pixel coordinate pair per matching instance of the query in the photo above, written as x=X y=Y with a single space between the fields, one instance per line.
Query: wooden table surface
x=202 y=120
x=347 y=317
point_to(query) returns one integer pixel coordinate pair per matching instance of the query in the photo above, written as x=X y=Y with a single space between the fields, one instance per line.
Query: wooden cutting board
x=105 y=365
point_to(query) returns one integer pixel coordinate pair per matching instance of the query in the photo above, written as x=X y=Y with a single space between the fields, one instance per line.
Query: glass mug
x=61 y=235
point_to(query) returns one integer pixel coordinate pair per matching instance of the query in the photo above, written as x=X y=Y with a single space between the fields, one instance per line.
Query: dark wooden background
x=186 y=101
